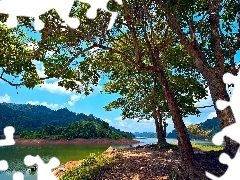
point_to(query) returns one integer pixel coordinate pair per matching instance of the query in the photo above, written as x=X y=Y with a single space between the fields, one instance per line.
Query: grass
x=90 y=167
x=94 y=163
x=204 y=147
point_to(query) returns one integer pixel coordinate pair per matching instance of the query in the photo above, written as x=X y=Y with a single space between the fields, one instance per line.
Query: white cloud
x=40 y=68
x=54 y=88
x=121 y=124
x=187 y=122
x=74 y=98
x=51 y=105
x=151 y=120
x=130 y=125
x=118 y=118
x=205 y=102
x=212 y=115
x=108 y=121
x=5 y=98
x=33 y=102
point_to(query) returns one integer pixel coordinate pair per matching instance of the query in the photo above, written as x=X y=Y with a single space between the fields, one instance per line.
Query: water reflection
x=14 y=155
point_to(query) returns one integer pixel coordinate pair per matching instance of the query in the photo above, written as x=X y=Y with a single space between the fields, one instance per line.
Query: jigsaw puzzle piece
x=35 y=8
x=64 y=9
x=44 y=170
x=3 y=165
x=18 y=176
x=229 y=131
x=221 y=104
x=100 y=4
x=229 y=78
x=8 y=132
x=211 y=176
x=233 y=167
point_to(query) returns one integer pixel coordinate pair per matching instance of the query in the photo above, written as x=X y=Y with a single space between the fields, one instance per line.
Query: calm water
x=15 y=154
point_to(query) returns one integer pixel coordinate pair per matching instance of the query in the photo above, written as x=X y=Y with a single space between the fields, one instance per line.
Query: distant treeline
x=210 y=124
x=145 y=134
x=36 y=121
x=79 y=129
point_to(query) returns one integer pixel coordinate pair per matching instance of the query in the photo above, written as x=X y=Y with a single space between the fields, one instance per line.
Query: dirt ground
x=147 y=163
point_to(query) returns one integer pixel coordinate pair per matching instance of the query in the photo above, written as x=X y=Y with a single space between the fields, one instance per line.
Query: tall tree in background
x=141 y=93
x=61 y=49
x=148 y=53
x=210 y=33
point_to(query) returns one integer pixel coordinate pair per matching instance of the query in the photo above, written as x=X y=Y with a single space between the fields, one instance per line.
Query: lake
x=15 y=154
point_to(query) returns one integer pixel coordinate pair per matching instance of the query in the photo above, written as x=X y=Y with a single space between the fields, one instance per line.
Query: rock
x=57 y=172
x=109 y=150
x=164 y=178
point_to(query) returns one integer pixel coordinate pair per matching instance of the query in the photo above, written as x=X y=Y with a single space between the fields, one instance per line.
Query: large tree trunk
x=213 y=76
x=158 y=130
x=218 y=91
x=160 y=122
x=192 y=170
x=165 y=129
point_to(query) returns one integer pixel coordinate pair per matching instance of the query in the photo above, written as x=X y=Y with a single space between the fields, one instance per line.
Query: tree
x=144 y=20
x=197 y=132
x=147 y=54
x=141 y=93
x=209 y=32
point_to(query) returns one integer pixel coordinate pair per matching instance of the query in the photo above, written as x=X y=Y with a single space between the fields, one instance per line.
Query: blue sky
x=54 y=97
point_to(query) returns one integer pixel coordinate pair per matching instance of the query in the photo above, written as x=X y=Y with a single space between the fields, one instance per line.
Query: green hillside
x=36 y=118
x=210 y=124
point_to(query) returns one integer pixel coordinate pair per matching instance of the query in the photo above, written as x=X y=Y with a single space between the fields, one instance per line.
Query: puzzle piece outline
x=8 y=133
x=40 y=7
x=92 y=11
x=44 y=170
x=230 y=131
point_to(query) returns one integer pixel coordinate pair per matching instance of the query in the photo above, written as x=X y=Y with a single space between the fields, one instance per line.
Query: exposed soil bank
x=147 y=163
x=78 y=141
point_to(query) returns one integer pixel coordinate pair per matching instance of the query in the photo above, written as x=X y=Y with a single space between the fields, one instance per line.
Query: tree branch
x=213 y=11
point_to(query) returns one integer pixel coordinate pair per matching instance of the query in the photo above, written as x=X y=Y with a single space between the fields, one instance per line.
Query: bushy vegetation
x=204 y=147
x=40 y=122
x=36 y=117
x=211 y=125
x=90 y=167
x=79 y=129
x=207 y=147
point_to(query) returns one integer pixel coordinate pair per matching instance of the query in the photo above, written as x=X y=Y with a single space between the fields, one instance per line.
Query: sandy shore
x=78 y=141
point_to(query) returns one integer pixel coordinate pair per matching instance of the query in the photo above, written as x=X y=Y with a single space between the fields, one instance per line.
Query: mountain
x=145 y=134
x=210 y=124
x=26 y=117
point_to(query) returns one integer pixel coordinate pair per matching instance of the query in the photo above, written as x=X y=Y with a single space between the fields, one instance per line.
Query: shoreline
x=139 y=163
x=77 y=141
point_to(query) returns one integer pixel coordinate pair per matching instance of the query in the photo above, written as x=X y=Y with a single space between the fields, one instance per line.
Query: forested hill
x=26 y=117
x=145 y=134
x=210 y=124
